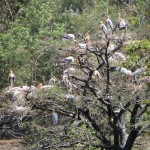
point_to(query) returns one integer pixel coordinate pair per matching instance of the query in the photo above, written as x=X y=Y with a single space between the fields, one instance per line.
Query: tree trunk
x=131 y=139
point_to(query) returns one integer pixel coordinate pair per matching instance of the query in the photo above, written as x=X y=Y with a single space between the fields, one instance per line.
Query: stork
x=69 y=60
x=80 y=45
x=96 y=73
x=109 y=22
x=104 y=28
x=129 y=73
x=43 y=86
x=122 y=24
x=68 y=37
x=11 y=78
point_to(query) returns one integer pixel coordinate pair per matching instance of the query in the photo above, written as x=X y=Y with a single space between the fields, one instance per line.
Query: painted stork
x=109 y=22
x=104 y=28
x=68 y=37
x=96 y=73
x=43 y=86
x=70 y=60
x=122 y=24
x=129 y=73
x=80 y=45
x=11 y=78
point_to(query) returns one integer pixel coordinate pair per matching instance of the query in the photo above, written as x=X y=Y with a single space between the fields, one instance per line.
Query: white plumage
x=68 y=37
x=104 y=28
x=68 y=59
x=16 y=94
x=127 y=71
x=55 y=118
x=109 y=22
x=122 y=24
x=80 y=45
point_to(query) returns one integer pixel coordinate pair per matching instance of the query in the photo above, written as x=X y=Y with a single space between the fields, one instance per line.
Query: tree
x=100 y=107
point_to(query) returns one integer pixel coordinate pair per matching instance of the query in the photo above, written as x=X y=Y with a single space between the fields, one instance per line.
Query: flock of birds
x=70 y=71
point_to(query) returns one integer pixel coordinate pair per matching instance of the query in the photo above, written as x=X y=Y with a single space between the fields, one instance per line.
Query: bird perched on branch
x=121 y=25
x=129 y=73
x=109 y=22
x=68 y=37
x=11 y=78
x=104 y=29
x=80 y=45
x=96 y=73
x=69 y=60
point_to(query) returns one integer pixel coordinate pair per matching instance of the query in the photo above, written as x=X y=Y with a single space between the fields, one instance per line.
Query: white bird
x=44 y=86
x=122 y=24
x=80 y=45
x=11 y=78
x=25 y=88
x=109 y=22
x=104 y=29
x=67 y=60
x=69 y=72
x=16 y=94
x=128 y=72
x=68 y=37
x=55 y=118
x=111 y=47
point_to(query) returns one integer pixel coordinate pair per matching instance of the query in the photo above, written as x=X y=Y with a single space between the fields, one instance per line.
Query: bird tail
x=112 y=69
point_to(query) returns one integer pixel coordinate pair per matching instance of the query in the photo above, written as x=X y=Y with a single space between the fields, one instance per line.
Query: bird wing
x=68 y=59
x=55 y=117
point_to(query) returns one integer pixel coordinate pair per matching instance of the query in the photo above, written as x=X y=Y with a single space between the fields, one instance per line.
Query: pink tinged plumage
x=122 y=24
